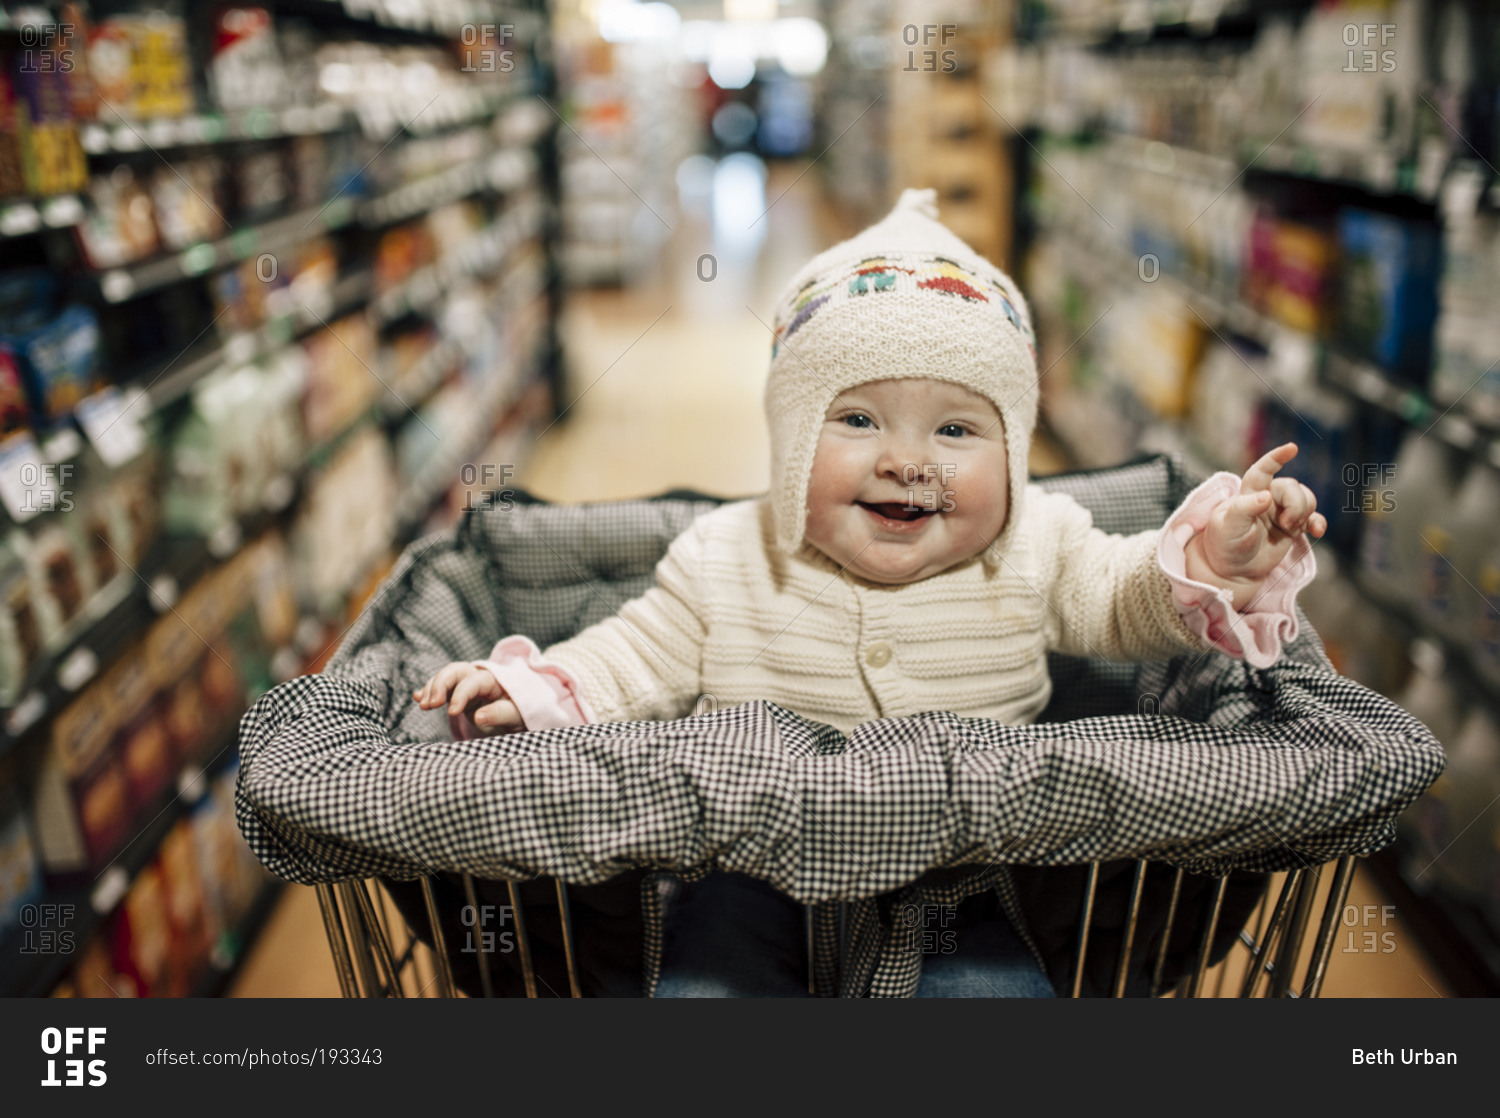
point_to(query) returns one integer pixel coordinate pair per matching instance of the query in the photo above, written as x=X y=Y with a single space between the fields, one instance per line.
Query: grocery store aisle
x=666 y=378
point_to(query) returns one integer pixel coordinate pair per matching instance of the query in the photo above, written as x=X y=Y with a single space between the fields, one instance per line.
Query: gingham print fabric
x=1221 y=766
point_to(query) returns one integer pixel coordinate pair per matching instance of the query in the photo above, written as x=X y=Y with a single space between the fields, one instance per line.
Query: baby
x=901 y=561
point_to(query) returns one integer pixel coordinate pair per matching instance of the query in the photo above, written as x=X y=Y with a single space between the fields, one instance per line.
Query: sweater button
x=878 y=655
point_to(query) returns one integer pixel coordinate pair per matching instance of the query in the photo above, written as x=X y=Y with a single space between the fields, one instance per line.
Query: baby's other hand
x=1249 y=534
x=471 y=690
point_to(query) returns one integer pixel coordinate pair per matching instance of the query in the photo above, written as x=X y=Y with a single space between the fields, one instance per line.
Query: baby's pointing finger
x=1258 y=477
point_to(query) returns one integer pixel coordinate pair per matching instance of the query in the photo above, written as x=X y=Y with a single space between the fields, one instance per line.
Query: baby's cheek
x=981 y=498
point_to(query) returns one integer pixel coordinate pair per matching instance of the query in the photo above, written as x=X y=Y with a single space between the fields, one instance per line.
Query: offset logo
x=66 y=1042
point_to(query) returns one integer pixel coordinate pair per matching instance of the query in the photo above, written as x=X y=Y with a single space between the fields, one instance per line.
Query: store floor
x=666 y=376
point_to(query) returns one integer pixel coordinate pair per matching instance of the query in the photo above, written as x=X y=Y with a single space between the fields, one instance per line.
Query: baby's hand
x=473 y=691
x=1249 y=534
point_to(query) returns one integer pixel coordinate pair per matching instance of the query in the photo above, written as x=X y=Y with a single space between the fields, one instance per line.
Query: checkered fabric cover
x=1200 y=761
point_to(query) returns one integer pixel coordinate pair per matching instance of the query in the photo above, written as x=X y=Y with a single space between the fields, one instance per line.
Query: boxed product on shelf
x=188 y=917
x=81 y=794
x=15 y=409
x=340 y=383
x=142 y=933
x=241 y=433
x=1388 y=277
x=1156 y=344
x=93 y=974
x=346 y=519
x=60 y=572
x=244 y=68
x=262 y=183
x=231 y=874
x=119 y=223
x=52 y=159
x=140 y=66
x=400 y=252
x=141 y=739
x=21 y=632
x=308 y=161
x=188 y=202
x=12 y=168
x=1289 y=268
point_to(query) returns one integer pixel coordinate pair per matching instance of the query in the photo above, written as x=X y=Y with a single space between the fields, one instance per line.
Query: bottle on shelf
x=1414 y=493
x=1453 y=542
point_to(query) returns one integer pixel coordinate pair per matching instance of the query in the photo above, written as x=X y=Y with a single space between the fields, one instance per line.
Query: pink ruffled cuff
x=544 y=692
x=1257 y=634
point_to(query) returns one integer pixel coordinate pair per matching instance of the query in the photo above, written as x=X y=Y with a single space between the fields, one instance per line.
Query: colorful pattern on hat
x=920 y=272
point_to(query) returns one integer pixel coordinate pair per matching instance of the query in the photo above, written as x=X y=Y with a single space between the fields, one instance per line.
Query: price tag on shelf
x=162 y=132
x=192 y=783
x=1458 y=431
x=127 y=138
x=112 y=885
x=117 y=285
x=225 y=541
x=113 y=424
x=20 y=218
x=25 y=713
x=95 y=139
x=198 y=259
x=28 y=485
x=164 y=592
x=66 y=210
x=81 y=665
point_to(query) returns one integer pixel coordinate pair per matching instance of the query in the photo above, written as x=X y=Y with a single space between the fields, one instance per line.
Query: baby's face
x=910 y=477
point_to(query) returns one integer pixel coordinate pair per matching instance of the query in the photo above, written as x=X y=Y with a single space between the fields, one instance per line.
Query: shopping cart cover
x=1201 y=761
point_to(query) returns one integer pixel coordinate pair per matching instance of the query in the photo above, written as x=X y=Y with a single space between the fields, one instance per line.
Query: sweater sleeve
x=1258 y=632
x=545 y=693
x=644 y=662
x=1128 y=597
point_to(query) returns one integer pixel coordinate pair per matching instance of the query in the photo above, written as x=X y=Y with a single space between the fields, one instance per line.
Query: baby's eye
x=953 y=430
x=858 y=420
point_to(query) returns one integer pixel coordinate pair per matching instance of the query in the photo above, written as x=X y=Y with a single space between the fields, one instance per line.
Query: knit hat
x=904 y=298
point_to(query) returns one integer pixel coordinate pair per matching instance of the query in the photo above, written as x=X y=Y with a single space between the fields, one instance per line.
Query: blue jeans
x=732 y=936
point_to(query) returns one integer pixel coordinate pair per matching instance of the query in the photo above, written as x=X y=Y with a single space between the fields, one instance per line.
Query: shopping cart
x=1232 y=884
x=377 y=953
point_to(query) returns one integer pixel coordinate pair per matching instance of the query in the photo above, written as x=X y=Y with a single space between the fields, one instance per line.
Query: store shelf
x=201 y=129
x=175 y=379
x=480 y=255
x=492 y=172
x=1370 y=385
x=108 y=626
x=120 y=284
x=29 y=974
x=1349 y=375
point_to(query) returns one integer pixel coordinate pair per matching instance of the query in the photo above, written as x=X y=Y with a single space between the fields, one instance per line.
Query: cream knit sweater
x=736 y=618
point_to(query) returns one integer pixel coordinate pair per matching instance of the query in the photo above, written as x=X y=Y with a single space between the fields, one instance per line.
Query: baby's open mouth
x=896 y=510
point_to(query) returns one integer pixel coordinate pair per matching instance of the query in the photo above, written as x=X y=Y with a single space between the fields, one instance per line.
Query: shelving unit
x=1110 y=219
x=515 y=256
